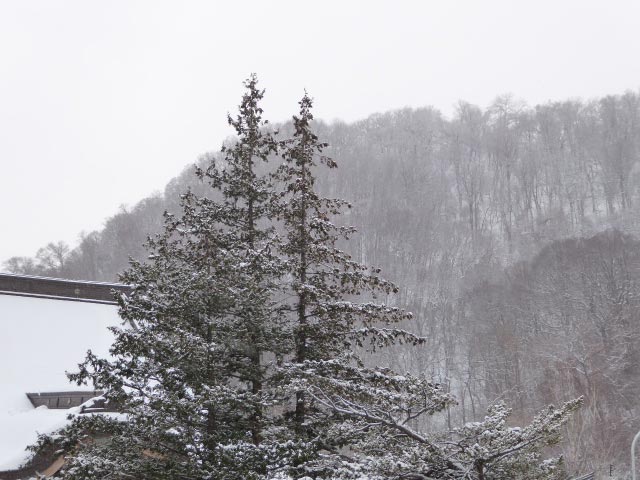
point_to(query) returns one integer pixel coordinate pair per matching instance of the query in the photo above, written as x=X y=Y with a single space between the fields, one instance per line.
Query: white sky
x=103 y=102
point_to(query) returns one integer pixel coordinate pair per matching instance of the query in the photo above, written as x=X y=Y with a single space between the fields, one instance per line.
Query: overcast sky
x=103 y=102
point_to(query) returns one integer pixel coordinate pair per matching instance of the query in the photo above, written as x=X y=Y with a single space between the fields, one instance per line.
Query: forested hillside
x=498 y=226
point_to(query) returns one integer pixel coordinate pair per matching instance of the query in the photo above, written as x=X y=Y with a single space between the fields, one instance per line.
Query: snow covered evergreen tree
x=328 y=324
x=187 y=371
x=488 y=450
x=244 y=354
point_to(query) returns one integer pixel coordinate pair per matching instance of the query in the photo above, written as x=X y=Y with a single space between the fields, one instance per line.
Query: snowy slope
x=40 y=340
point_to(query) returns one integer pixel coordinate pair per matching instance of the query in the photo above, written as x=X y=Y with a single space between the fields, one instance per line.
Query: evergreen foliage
x=244 y=349
x=323 y=277
x=186 y=370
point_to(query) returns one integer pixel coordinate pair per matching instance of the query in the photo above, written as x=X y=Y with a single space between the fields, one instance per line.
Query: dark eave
x=60 y=289
x=62 y=400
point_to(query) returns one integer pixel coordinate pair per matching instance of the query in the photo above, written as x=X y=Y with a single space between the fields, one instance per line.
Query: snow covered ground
x=40 y=339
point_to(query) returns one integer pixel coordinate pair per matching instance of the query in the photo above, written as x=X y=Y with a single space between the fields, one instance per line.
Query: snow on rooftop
x=40 y=339
x=20 y=429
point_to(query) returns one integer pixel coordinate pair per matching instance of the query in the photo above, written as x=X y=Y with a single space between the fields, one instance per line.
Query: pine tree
x=330 y=327
x=486 y=450
x=187 y=370
x=247 y=211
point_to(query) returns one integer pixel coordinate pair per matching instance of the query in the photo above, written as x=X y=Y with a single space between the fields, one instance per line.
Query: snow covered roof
x=46 y=330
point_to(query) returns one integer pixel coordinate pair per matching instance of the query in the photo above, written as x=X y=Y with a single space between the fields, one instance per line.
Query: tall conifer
x=338 y=306
x=244 y=354
x=187 y=370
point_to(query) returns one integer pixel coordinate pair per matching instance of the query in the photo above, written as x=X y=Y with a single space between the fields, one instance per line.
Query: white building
x=46 y=327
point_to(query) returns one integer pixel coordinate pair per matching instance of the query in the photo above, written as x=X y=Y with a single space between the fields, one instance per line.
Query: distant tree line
x=509 y=175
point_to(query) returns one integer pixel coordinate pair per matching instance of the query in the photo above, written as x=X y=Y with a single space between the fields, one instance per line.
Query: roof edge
x=60 y=288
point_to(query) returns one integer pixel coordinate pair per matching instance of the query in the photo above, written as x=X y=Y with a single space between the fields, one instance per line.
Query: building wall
x=40 y=339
